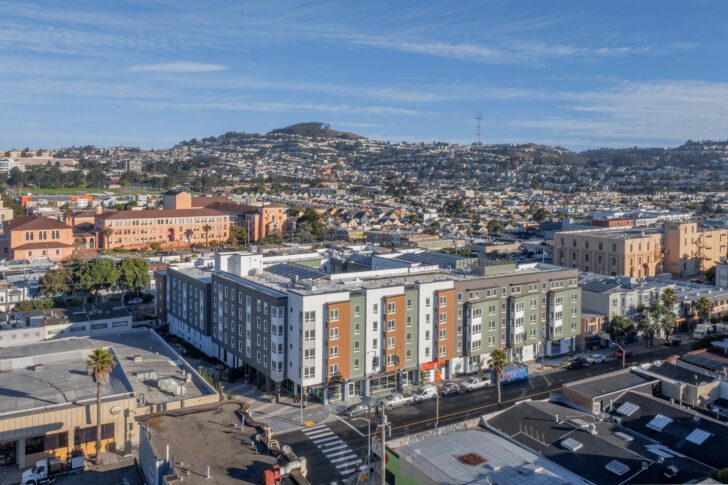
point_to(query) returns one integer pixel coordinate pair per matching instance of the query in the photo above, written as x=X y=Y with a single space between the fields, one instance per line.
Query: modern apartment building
x=290 y=325
x=633 y=253
x=187 y=299
x=680 y=248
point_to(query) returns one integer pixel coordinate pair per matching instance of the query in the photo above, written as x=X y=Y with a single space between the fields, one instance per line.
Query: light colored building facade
x=171 y=229
x=33 y=237
x=690 y=250
x=633 y=253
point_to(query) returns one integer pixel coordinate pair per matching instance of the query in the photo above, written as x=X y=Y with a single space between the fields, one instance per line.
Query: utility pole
x=384 y=426
x=437 y=408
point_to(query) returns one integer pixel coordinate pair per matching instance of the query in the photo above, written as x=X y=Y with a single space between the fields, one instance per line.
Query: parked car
x=425 y=392
x=576 y=364
x=450 y=389
x=618 y=354
x=356 y=410
x=473 y=383
x=135 y=301
x=395 y=399
x=673 y=342
x=596 y=359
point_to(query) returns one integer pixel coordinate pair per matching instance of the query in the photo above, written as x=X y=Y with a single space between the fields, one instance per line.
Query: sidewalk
x=283 y=416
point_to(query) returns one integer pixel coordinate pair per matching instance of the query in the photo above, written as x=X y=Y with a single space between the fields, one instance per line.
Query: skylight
x=627 y=409
x=617 y=467
x=659 y=422
x=698 y=436
x=571 y=444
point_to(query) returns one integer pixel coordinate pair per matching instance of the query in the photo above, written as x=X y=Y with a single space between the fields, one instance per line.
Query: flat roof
x=561 y=434
x=505 y=462
x=204 y=436
x=65 y=378
x=608 y=383
x=672 y=371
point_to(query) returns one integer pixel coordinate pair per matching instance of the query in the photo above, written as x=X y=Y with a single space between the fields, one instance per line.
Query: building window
x=334 y=333
x=334 y=315
x=390 y=325
x=390 y=342
x=391 y=307
x=333 y=352
x=443 y=351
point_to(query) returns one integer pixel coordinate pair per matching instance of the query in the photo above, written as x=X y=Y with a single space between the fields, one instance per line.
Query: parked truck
x=513 y=373
x=48 y=468
x=703 y=330
x=474 y=383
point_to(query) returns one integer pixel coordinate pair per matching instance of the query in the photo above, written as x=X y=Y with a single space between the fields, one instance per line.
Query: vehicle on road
x=134 y=301
x=571 y=360
x=450 y=389
x=424 y=393
x=576 y=364
x=473 y=383
x=395 y=399
x=618 y=354
x=595 y=359
x=358 y=409
x=702 y=330
x=48 y=468
x=673 y=342
x=512 y=374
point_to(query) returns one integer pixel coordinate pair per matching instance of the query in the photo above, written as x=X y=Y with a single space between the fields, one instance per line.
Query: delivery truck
x=49 y=468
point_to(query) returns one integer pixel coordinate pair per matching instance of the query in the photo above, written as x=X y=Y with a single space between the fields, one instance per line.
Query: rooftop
x=681 y=374
x=505 y=463
x=598 y=451
x=204 y=436
x=608 y=383
x=143 y=357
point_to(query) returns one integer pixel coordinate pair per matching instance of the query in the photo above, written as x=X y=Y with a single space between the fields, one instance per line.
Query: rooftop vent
x=137 y=358
x=38 y=368
x=571 y=444
x=617 y=467
x=624 y=436
x=472 y=459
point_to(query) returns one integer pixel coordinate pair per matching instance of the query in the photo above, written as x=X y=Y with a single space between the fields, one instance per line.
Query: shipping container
x=513 y=373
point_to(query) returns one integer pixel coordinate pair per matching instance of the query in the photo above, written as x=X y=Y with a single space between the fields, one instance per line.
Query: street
x=322 y=464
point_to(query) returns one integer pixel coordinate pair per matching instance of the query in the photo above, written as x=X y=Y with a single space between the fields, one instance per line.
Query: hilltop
x=314 y=129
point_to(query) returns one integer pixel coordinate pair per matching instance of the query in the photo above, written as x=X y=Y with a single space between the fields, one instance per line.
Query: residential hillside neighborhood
x=318 y=283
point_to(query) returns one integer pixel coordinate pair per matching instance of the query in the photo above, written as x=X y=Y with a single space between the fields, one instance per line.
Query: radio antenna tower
x=479 y=123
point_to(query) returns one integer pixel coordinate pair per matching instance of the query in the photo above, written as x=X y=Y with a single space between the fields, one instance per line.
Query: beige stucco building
x=690 y=250
x=680 y=248
x=633 y=253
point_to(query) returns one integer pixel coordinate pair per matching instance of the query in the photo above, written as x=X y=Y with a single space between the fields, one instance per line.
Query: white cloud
x=654 y=112
x=178 y=67
x=280 y=106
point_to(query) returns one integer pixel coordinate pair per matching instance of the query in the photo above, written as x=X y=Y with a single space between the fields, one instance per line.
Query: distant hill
x=314 y=129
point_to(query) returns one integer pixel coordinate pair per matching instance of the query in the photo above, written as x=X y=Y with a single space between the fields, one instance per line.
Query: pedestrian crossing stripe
x=342 y=458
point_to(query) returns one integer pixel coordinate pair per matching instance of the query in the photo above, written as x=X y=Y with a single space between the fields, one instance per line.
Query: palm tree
x=703 y=306
x=101 y=362
x=207 y=228
x=188 y=234
x=669 y=298
x=108 y=232
x=497 y=363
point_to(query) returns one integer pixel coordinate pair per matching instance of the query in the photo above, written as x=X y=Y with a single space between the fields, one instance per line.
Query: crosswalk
x=334 y=448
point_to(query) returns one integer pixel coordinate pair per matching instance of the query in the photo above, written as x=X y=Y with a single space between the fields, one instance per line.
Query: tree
x=540 y=215
x=667 y=323
x=498 y=362
x=101 y=362
x=710 y=274
x=646 y=323
x=207 y=228
x=155 y=246
x=37 y=304
x=669 y=298
x=108 y=232
x=702 y=307
x=311 y=225
x=494 y=226
x=238 y=235
x=56 y=282
x=188 y=234
x=97 y=274
x=133 y=273
x=620 y=327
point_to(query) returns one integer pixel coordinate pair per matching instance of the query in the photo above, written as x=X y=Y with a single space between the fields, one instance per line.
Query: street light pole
x=369 y=443
x=300 y=389
x=437 y=408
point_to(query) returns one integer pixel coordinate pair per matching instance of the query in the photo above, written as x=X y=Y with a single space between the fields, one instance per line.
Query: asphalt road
x=421 y=416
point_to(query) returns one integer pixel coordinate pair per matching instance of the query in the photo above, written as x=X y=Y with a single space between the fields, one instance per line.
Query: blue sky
x=151 y=73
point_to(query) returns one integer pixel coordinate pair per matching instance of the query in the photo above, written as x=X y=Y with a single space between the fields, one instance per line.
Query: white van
x=425 y=392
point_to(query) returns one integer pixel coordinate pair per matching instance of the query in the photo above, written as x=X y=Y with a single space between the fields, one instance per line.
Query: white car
x=473 y=383
x=395 y=399
x=596 y=359
x=424 y=393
